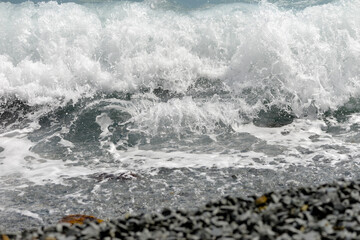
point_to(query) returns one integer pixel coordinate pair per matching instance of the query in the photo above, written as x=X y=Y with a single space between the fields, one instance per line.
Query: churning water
x=114 y=107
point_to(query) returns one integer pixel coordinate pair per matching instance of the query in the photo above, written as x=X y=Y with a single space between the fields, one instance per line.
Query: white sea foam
x=177 y=115
x=304 y=58
x=50 y=51
x=296 y=140
x=18 y=162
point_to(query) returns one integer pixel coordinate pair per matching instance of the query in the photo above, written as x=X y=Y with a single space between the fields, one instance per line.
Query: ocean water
x=116 y=107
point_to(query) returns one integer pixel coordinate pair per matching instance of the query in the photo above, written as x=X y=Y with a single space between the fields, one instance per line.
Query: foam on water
x=287 y=56
x=21 y=165
x=251 y=55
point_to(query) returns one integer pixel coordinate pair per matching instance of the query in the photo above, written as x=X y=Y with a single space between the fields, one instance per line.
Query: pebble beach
x=329 y=211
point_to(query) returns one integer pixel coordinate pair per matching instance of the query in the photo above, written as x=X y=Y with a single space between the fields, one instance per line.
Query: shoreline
x=328 y=211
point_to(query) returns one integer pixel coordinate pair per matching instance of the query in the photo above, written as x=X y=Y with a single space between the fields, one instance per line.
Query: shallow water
x=108 y=108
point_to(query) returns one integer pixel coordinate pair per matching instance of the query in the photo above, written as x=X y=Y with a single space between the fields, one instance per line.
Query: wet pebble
x=329 y=211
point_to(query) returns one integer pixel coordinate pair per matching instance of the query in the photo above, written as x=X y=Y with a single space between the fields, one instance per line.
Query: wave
x=259 y=55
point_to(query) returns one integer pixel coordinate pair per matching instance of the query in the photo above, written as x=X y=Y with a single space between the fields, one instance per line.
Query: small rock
x=79 y=219
x=261 y=200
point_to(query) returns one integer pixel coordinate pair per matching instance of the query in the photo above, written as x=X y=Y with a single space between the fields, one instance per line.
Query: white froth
x=307 y=54
x=178 y=115
x=51 y=51
x=18 y=162
x=104 y=122
x=305 y=58
x=296 y=139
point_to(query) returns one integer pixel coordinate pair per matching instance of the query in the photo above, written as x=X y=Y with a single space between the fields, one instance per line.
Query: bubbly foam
x=291 y=57
x=246 y=54
x=20 y=164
